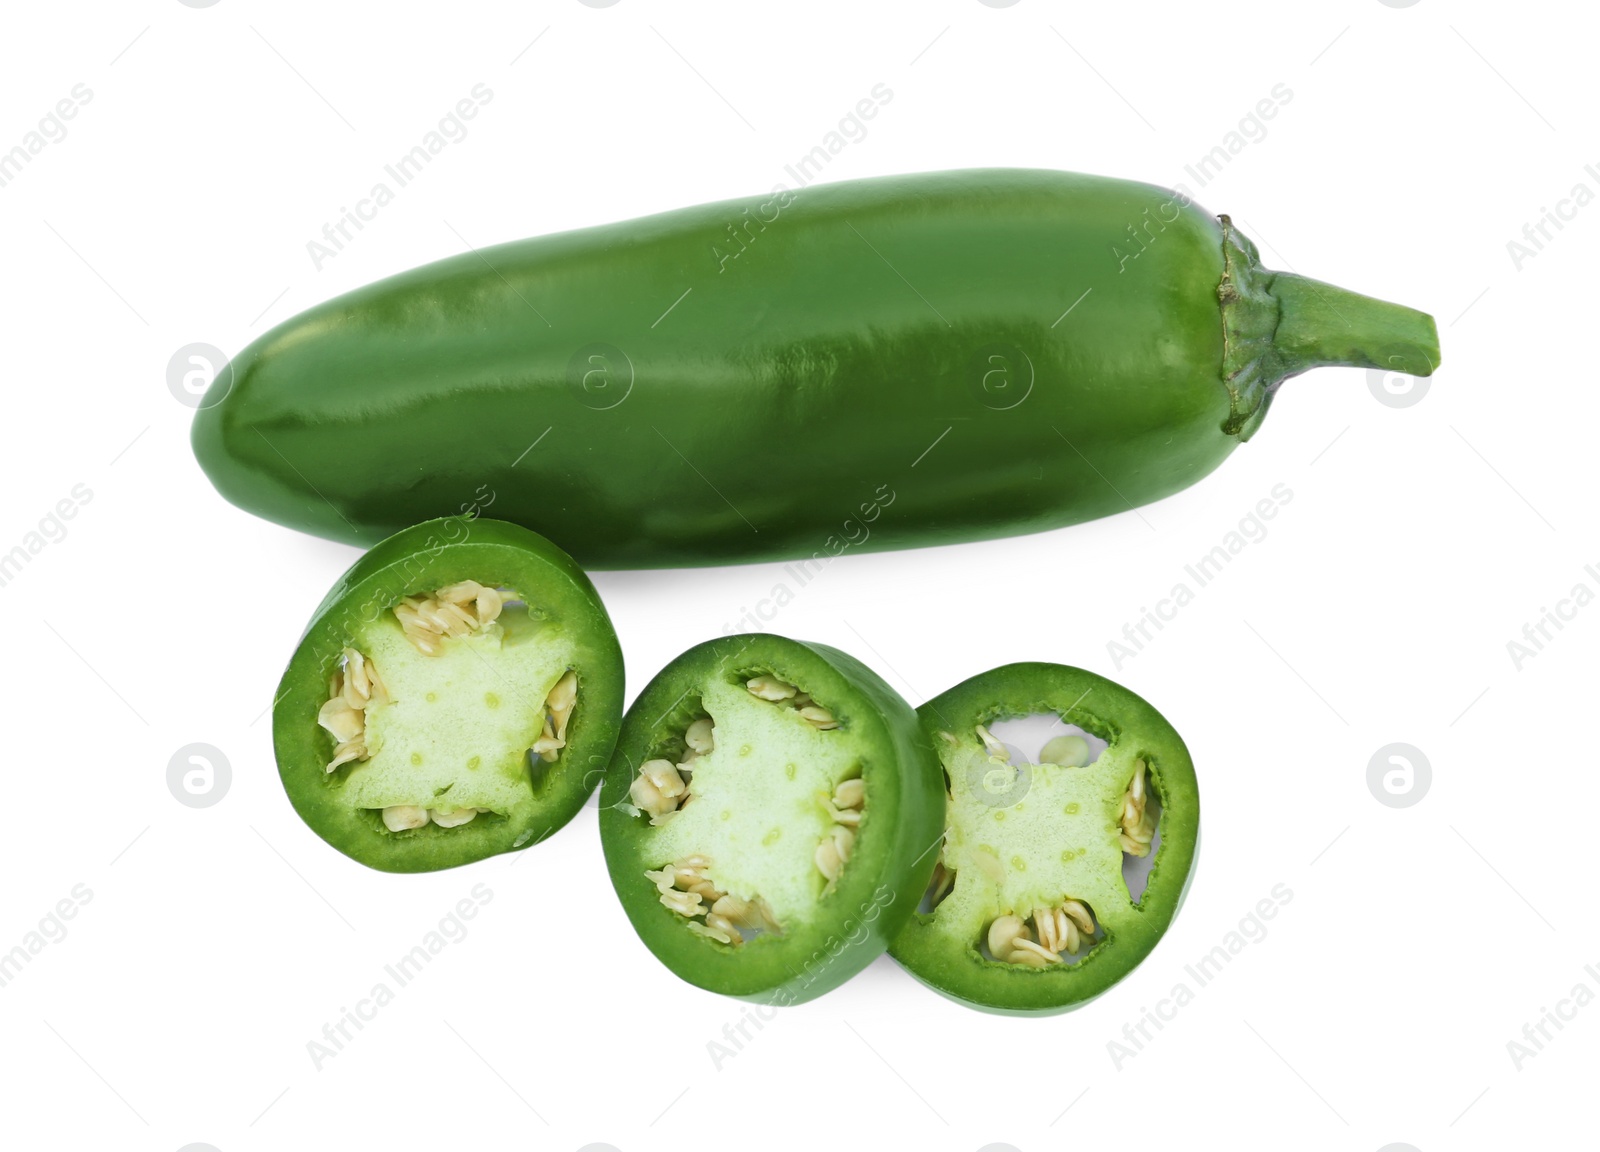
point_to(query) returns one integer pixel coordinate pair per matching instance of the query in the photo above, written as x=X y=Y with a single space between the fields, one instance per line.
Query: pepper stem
x=1277 y=324
x=1322 y=324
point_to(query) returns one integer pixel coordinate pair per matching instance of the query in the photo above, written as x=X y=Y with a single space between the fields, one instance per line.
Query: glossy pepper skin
x=946 y=955
x=844 y=929
x=884 y=363
x=428 y=556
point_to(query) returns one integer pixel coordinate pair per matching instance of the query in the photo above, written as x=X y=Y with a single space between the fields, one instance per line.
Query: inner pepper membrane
x=757 y=818
x=1031 y=871
x=443 y=708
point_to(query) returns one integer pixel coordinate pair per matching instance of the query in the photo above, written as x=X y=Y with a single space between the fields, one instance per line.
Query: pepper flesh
x=1013 y=850
x=443 y=766
x=758 y=806
x=758 y=379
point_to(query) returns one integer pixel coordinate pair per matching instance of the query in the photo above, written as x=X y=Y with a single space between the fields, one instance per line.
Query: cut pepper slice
x=771 y=816
x=1029 y=911
x=457 y=694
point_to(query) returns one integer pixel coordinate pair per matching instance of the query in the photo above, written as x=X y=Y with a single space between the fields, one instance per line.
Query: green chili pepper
x=457 y=694
x=771 y=816
x=1030 y=907
x=886 y=363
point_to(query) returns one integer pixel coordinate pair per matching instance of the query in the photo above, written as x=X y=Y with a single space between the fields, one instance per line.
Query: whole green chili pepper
x=885 y=363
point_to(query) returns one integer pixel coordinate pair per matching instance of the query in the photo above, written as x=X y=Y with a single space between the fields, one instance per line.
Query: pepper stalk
x=1279 y=324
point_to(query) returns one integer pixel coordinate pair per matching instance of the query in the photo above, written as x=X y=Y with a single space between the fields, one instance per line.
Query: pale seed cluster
x=1039 y=941
x=1065 y=751
x=404 y=817
x=457 y=610
x=353 y=690
x=779 y=691
x=558 y=707
x=1137 y=827
x=686 y=888
x=849 y=800
x=662 y=787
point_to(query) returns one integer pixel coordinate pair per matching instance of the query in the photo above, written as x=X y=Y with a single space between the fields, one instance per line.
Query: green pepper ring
x=881 y=882
x=431 y=555
x=951 y=960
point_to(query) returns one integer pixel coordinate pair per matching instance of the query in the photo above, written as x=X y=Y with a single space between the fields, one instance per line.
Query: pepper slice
x=457 y=694
x=1029 y=911
x=771 y=816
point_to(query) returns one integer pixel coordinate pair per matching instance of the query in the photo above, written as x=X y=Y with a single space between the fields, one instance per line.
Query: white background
x=1377 y=609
